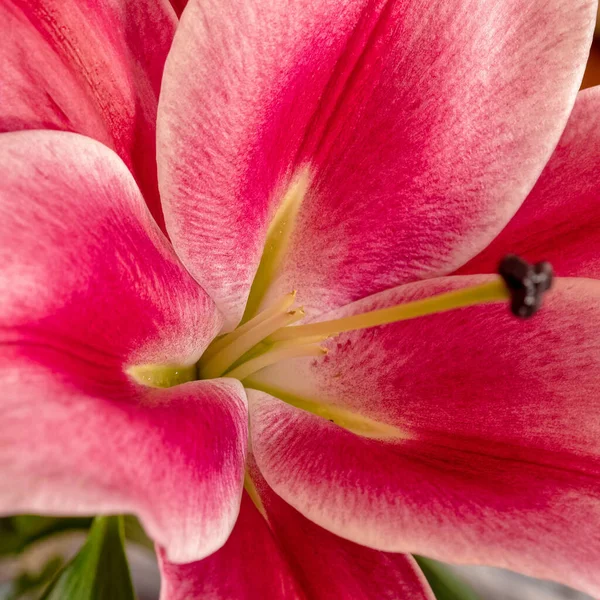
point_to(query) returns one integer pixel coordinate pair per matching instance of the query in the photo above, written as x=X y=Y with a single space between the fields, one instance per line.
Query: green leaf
x=134 y=532
x=100 y=570
x=17 y=533
x=444 y=583
x=10 y=542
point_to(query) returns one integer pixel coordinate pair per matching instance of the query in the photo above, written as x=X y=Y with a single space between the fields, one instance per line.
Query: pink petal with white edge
x=331 y=567
x=290 y=557
x=423 y=128
x=559 y=221
x=88 y=287
x=173 y=457
x=89 y=66
x=248 y=567
x=495 y=458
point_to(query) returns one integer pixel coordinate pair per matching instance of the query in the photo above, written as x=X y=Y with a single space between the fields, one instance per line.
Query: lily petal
x=178 y=6
x=174 y=457
x=418 y=143
x=491 y=449
x=332 y=567
x=91 y=67
x=289 y=557
x=559 y=221
x=88 y=287
x=250 y=565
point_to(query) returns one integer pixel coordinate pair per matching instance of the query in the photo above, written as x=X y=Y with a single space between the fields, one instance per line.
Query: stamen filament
x=494 y=291
x=279 y=307
x=219 y=363
x=295 y=342
x=273 y=356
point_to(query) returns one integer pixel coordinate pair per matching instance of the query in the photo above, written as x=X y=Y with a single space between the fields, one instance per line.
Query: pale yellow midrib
x=353 y=422
x=276 y=243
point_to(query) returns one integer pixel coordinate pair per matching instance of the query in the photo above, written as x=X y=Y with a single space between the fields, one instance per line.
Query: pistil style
x=494 y=291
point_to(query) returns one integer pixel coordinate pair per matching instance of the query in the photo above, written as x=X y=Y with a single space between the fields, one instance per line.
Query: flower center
x=271 y=335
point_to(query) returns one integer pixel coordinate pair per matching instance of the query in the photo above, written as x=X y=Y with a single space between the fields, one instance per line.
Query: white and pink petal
x=490 y=452
x=92 y=67
x=249 y=566
x=89 y=286
x=420 y=129
x=281 y=555
x=332 y=567
x=560 y=220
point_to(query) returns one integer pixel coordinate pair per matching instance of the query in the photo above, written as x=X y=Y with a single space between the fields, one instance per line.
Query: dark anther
x=527 y=283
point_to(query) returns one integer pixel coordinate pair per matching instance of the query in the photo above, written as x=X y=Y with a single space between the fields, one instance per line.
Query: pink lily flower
x=367 y=154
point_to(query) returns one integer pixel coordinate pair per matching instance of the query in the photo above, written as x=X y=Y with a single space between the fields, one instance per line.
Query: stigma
x=273 y=335
x=527 y=284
